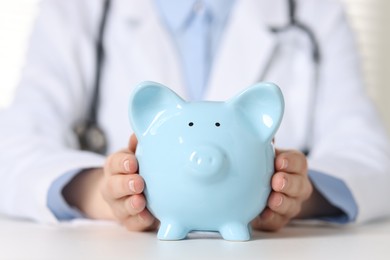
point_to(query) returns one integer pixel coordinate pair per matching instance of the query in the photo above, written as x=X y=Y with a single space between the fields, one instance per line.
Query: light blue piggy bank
x=207 y=166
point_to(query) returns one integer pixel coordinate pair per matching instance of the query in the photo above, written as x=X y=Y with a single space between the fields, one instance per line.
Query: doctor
x=203 y=50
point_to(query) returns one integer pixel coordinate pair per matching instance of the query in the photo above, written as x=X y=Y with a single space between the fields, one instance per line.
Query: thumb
x=133 y=143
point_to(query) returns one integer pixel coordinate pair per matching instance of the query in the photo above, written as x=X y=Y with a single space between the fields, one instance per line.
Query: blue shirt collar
x=177 y=13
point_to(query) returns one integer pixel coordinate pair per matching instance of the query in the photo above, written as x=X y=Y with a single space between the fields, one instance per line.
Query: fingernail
x=132 y=204
x=280 y=201
x=284 y=164
x=283 y=184
x=126 y=164
x=131 y=185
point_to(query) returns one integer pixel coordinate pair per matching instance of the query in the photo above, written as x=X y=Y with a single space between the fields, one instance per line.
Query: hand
x=290 y=186
x=113 y=192
x=122 y=189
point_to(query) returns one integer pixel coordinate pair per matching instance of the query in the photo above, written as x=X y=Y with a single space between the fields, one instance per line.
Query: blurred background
x=369 y=18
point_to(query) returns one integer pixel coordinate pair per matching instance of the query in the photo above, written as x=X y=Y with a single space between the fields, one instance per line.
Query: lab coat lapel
x=244 y=55
x=156 y=57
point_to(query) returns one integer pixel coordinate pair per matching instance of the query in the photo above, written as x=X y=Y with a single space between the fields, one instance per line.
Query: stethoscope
x=91 y=136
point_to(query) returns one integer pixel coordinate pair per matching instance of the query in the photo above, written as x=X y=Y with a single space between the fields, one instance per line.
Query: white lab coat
x=37 y=144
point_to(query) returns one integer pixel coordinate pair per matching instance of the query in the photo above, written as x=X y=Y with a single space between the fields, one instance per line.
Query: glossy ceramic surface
x=207 y=165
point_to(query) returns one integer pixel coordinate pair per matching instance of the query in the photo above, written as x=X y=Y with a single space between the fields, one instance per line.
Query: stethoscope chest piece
x=91 y=137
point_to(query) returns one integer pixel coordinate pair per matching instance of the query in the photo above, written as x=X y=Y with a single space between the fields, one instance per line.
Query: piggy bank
x=207 y=165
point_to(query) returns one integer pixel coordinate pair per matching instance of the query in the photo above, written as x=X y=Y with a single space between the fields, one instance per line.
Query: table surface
x=84 y=239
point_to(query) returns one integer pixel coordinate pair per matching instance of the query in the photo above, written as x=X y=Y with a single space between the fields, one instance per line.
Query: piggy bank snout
x=207 y=161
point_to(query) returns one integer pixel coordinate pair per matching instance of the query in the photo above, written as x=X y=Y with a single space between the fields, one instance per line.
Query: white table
x=102 y=240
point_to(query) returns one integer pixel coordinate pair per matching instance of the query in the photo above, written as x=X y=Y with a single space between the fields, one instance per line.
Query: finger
x=128 y=206
x=118 y=186
x=293 y=185
x=120 y=162
x=269 y=221
x=291 y=161
x=141 y=222
x=133 y=143
x=283 y=205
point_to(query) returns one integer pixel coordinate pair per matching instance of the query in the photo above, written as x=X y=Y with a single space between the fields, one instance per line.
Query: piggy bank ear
x=263 y=105
x=149 y=102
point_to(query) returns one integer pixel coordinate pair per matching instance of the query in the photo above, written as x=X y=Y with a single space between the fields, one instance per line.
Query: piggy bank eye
x=190 y=124
x=217 y=124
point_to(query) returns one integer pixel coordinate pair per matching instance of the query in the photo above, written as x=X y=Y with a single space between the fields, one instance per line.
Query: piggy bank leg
x=235 y=232
x=171 y=231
